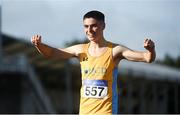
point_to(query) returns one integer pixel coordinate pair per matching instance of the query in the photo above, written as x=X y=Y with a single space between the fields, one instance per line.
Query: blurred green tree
x=170 y=61
x=76 y=41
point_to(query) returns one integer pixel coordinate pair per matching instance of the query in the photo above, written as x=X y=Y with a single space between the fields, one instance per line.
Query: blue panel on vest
x=95 y=82
x=115 y=92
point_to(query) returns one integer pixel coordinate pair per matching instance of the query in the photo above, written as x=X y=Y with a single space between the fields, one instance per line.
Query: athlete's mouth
x=91 y=35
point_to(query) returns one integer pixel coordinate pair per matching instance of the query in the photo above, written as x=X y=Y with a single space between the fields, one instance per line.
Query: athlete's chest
x=96 y=52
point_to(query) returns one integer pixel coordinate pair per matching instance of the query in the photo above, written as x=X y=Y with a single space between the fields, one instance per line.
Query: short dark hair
x=95 y=14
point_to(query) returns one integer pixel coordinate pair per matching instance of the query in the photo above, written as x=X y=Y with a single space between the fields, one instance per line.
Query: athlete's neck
x=97 y=48
x=98 y=44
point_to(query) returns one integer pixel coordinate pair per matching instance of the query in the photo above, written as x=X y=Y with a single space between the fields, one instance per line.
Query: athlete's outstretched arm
x=49 y=51
x=146 y=56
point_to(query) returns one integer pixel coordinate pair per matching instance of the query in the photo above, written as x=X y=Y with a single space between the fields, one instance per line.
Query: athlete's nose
x=89 y=29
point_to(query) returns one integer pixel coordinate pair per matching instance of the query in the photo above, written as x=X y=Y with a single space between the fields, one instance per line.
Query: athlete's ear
x=104 y=25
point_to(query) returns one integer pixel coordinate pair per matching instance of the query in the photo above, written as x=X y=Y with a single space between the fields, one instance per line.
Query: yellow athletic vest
x=99 y=83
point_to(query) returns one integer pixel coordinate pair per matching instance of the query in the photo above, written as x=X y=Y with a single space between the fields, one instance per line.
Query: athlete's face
x=93 y=29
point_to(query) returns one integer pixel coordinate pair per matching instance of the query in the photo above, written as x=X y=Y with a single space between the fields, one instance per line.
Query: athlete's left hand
x=149 y=45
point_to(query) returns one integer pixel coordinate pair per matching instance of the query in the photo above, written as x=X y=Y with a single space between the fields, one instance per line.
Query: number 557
x=94 y=91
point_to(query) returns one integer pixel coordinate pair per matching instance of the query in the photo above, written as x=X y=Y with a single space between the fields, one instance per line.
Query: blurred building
x=20 y=89
x=148 y=88
x=143 y=88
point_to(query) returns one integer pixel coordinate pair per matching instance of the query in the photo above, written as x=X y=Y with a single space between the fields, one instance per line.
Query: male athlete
x=99 y=60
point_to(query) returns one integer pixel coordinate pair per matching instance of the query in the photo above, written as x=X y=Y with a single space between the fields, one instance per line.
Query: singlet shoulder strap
x=110 y=45
x=85 y=47
x=110 y=48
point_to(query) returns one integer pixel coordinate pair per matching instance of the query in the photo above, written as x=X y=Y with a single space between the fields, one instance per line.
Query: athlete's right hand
x=36 y=40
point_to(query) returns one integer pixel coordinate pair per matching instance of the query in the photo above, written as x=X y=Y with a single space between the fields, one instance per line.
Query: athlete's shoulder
x=117 y=49
x=75 y=49
x=115 y=45
x=80 y=48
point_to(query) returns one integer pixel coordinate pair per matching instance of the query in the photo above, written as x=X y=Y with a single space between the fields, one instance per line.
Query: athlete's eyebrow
x=93 y=25
x=85 y=25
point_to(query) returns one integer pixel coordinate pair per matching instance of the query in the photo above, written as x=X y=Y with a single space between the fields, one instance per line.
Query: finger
x=37 y=36
x=39 y=39
x=32 y=39
x=149 y=40
x=151 y=44
x=145 y=40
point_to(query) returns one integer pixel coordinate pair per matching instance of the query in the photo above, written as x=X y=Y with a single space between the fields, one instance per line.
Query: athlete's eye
x=94 y=25
x=85 y=26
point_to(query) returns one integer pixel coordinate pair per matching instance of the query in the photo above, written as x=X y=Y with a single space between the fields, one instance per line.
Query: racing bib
x=95 y=88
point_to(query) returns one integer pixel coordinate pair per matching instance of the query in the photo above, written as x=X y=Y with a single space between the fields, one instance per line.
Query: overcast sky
x=128 y=22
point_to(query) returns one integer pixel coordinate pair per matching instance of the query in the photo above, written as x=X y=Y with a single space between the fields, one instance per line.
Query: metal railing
x=20 y=64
